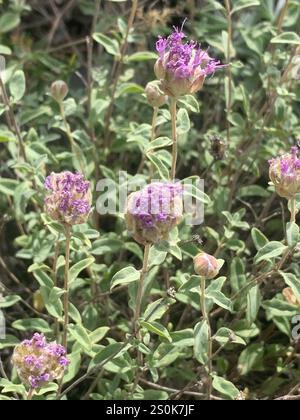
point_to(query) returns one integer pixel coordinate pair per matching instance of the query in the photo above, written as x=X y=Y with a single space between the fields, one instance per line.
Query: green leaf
x=292 y=234
x=226 y=336
x=106 y=246
x=6 y=136
x=258 y=238
x=253 y=304
x=129 y=88
x=8 y=386
x=158 y=143
x=183 y=121
x=43 y=278
x=293 y=282
x=17 y=85
x=157 y=328
x=237 y=274
x=32 y=324
x=220 y=299
x=253 y=191
x=8 y=301
x=251 y=358
x=8 y=186
x=159 y=165
x=74 y=313
x=112 y=350
x=270 y=250
x=9 y=21
x=225 y=388
x=156 y=310
x=242 y=4
x=78 y=267
x=98 y=334
x=111 y=45
x=190 y=103
x=201 y=342
x=157 y=255
x=53 y=303
x=286 y=38
x=142 y=56
x=125 y=276
x=79 y=333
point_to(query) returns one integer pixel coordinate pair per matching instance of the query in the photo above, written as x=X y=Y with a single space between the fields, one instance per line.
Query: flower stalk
x=66 y=285
x=139 y=295
x=173 y=104
x=209 y=349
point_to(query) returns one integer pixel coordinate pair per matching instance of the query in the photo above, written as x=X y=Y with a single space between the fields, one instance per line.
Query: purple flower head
x=153 y=212
x=69 y=200
x=284 y=172
x=182 y=66
x=38 y=362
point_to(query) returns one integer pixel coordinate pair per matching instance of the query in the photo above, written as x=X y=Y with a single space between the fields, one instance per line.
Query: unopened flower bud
x=69 y=200
x=59 y=90
x=284 y=172
x=155 y=95
x=206 y=265
x=153 y=212
x=38 y=362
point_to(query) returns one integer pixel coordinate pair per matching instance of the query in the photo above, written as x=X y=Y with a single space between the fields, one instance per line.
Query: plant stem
x=12 y=120
x=139 y=295
x=174 y=138
x=30 y=394
x=66 y=286
x=293 y=209
x=229 y=74
x=54 y=268
x=209 y=350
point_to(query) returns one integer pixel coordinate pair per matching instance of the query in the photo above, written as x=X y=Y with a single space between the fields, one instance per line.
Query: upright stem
x=12 y=120
x=139 y=295
x=293 y=209
x=209 y=350
x=229 y=74
x=54 y=268
x=66 y=285
x=174 y=138
x=30 y=394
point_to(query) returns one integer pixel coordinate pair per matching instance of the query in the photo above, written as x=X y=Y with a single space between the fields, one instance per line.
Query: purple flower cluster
x=153 y=212
x=284 y=172
x=182 y=66
x=38 y=362
x=70 y=197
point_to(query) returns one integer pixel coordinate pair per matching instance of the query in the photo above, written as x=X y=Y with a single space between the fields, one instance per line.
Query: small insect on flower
x=284 y=173
x=182 y=66
x=70 y=197
x=206 y=265
x=38 y=362
x=154 y=211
